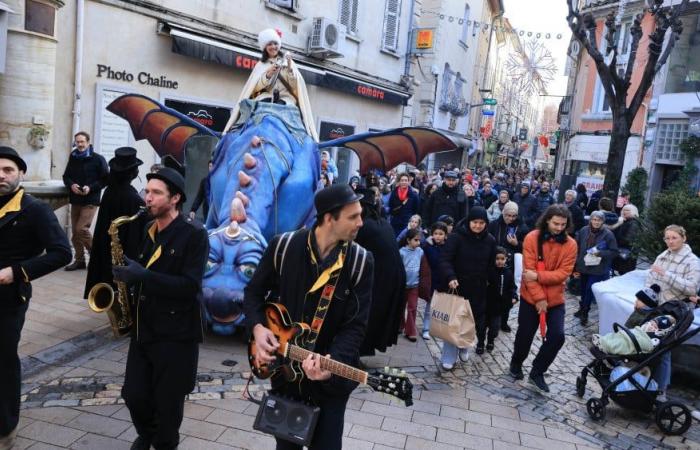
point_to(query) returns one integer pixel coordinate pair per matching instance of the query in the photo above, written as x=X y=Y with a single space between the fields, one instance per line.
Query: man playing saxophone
x=161 y=366
x=32 y=244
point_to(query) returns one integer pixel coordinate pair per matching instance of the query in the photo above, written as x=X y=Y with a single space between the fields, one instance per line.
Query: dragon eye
x=248 y=270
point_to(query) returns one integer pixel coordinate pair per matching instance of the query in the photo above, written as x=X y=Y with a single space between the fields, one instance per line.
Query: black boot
x=578 y=313
x=584 y=317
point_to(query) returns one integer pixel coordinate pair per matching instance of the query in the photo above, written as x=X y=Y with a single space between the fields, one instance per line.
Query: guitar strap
x=325 y=301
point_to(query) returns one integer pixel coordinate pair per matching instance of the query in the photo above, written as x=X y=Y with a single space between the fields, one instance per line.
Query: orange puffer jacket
x=559 y=260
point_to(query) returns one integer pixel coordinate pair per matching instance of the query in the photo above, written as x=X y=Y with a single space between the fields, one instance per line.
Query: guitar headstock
x=392 y=382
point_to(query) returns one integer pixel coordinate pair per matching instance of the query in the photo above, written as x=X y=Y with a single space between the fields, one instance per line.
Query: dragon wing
x=387 y=149
x=166 y=129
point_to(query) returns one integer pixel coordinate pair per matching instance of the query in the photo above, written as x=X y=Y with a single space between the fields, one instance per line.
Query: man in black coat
x=313 y=259
x=32 y=244
x=487 y=195
x=544 y=198
x=119 y=199
x=576 y=212
x=85 y=177
x=527 y=205
x=388 y=300
x=161 y=365
x=447 y=200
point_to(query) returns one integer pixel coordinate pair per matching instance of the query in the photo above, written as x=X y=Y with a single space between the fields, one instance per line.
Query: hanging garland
x=484 y=26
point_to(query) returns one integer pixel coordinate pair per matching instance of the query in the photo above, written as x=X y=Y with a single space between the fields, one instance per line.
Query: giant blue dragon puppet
x=266 y=170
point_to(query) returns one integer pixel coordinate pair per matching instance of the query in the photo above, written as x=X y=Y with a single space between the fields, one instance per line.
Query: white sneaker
x=661 y=398
x=464 y=354
x=426 y=335
x=446 y=366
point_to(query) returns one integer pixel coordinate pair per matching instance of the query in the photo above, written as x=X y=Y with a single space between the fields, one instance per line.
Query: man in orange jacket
x=549 y=254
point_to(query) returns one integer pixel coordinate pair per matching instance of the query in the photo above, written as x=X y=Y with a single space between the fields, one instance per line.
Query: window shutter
x=348 y=15
x=465 y=27
x=353 y=16
x=390 y=40
x=289 y=4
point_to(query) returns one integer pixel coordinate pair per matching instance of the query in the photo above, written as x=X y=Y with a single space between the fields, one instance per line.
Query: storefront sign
x=212 y=117
x=114 y=132
x=424 y=38
x=144 y=78
x=592 y=183
x=331 y=130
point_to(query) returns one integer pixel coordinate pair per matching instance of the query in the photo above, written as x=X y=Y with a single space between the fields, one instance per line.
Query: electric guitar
x=291 y=353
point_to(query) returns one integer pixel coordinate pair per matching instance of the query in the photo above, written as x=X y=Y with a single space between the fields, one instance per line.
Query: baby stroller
x=672 y=417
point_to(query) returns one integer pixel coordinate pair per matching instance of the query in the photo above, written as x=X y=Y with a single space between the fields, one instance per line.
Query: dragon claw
x=249 y=161
x=244 y=198
x=243 y=179
x=238 y=213
x=256 y=141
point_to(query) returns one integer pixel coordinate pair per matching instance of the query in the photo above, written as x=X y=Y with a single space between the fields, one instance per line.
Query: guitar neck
x=299 y=354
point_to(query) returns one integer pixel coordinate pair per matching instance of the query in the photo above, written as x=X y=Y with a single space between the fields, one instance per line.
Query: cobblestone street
x=74 y=372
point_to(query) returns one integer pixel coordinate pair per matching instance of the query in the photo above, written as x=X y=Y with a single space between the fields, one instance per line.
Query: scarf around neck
x=402 y=193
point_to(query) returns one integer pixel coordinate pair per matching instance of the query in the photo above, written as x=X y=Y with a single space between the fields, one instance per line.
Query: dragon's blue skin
x=280 y=192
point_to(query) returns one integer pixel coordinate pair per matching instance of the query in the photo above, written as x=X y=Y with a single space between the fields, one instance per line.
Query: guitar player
x=306 y=268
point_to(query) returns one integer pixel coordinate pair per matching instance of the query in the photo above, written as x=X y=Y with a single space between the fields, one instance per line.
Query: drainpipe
x=78 y=80
x=483 y=80
x=640 y=160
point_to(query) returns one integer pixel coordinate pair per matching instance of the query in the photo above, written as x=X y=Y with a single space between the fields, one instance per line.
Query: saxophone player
x=166 y=278
x=32 y=244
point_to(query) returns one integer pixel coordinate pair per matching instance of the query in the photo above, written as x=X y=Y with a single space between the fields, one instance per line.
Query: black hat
x=11 y=153
x=124 y=159
x=451 y=174
x=649 y=296
x=334 y=197
x=171 y=177
x=478 y=213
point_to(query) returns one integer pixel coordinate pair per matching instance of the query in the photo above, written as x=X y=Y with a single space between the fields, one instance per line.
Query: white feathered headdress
x=269 y=35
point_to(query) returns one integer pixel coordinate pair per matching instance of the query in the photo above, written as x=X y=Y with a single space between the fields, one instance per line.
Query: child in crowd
x=500 y=296
x=447 y=220
x=414 y=223
x=413 y=262
x=432 y=248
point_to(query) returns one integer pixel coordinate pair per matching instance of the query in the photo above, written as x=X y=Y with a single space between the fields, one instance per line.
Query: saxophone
x=101 y=297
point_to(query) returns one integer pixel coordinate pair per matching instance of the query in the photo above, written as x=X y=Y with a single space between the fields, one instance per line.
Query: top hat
x=171 y=177
x=334 y=197
x=124 y=159
x=11 y=154
x=649 y=296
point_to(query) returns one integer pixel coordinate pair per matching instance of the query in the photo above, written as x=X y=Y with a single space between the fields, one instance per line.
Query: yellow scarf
x=13 y=205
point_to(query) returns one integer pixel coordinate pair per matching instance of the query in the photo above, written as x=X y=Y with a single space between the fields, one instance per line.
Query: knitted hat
x=649 y=296
x=478 y=213
x=269 y=35
x=510 y=208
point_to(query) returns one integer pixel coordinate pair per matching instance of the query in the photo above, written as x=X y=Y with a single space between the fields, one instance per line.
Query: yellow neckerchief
x=13 y=205
x=326 y=274
x=152 y=234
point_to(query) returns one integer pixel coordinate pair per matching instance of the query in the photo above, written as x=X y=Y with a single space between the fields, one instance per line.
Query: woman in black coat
x=626 y=234
x=581 y=196
x=388 y=301
x=468 y=259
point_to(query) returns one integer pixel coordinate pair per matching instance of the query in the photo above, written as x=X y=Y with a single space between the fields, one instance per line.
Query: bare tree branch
x=636 y=33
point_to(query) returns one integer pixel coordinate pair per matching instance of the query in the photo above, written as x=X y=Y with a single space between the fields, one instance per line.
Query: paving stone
x=229 y=404
x=102 y=425
x=516 y=425
x=61 y=403
x=44 y=446
x=409 y=428
x=529 y=440
x=500 y=445
x=494 y=409
x=465 y=415
x=438 y=421
x=49 y=433
x=415 y=443
x=95 y=441
x=377 y=436
x=193 y=443
x=492 y=432
x=387 y=410
x=231 y=419
x=444 y=398
x=57 y=415
x=200 y=429
x=356 y=444
x=463 y=440
x=565 y=436
x=103 y=410
x=246 y=439
x=363 y=418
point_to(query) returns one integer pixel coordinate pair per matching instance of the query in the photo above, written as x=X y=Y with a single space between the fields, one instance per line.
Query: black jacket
x=499 y=229
x=501 y=291
x=345 y=324
x=527 y=208
x=89 y=171
x=576 y=216
x=445 y=201
x=626 y=234
x=168 y=308
x=487 y=199
x=31 y=242
x=202 y=199
x=119 y=199
x=469 y=258
x=544 y=201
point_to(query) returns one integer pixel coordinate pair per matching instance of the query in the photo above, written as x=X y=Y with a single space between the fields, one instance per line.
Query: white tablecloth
x=615 y=298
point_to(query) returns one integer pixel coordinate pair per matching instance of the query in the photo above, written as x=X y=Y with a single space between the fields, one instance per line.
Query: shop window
x=348 y=15
x=291 y=5
x=390 y=36
x=668 y=138
x=39 y=17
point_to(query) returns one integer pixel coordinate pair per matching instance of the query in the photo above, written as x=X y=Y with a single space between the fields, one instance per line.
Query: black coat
x=345 y=324
x=89 y=171
x=576 y=216
x=487 y=199
x=527 y=208
x=626 y=234
x=501 y=292
x=388 y=301
x=499 y=230
x=31 y=242
x=401 y=212
x=445 y=201
x=168 y=307
x=119 y=199
x=544 y=201
x=469 y=258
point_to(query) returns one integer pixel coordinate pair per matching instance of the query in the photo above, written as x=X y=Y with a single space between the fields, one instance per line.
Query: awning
x=213 y=50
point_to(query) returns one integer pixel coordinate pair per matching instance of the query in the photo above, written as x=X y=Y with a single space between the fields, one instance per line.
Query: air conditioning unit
x=325 y=38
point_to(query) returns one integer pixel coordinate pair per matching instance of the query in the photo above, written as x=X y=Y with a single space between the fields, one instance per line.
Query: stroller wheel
x=673 y=418
x=595 y=408
x=580 y=386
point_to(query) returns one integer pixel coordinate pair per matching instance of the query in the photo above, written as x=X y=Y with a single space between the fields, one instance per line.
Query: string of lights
x=484 y=27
